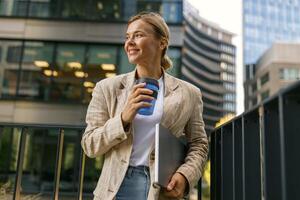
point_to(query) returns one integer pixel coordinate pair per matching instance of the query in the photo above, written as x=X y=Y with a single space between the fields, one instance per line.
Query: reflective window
x=39 y=163
x=175 y=56
x=170 y=10
x=69 y=178
x=13 y=7
x=154 y=6
x=9 y=149
x=265 y=95
x=62 y=72
x=92 y=171
x=101 y=9
x=289 y=74
x=264 y=79
x=73 y=9
x=34 y=80
x=68 y=64
x=125 y=66
x=43 y=8
x=101 y=63
x=9 y=66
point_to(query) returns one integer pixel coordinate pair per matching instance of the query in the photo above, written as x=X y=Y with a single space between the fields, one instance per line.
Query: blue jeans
x=135 y=185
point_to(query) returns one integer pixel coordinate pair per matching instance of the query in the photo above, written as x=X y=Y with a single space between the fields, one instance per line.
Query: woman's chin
x=133 y=61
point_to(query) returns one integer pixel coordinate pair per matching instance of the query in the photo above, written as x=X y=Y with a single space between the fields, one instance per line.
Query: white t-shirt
x=144 y=131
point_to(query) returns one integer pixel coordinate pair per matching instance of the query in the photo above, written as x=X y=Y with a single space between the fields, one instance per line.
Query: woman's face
x=141 y=45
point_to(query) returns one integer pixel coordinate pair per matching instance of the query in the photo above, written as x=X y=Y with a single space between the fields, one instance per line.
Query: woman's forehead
x=139 y=25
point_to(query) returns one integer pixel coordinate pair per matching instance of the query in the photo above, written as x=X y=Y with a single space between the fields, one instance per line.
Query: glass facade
x=267 y=21
x=96 y=10
x=9 y=149
x=36 y=148
x=61 y=71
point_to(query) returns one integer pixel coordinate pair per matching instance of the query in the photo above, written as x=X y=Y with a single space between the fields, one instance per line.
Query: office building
x=208 y=61
x=278 y=67
x=266 y=22
x=51 y=55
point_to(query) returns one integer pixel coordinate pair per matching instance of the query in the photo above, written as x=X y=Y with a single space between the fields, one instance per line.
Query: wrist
x=125 y=123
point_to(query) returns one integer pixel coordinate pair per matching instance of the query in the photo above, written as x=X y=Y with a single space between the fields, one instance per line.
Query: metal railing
x=32 y=160
x=37 y=162
x=256 y=155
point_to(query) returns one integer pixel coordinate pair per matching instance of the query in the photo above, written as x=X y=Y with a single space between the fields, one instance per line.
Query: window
x=34 y=80
x=62 y=72
x=265 y=95
x=229 y=97
x=39 y=162
x=13 y=7
x=227 y=77
x=229 y=106
x=101 y=63
x=9 y=149
x=43 y=8
x=289 y=74
x=100 y=9
x=9 y=68
x=264 y=79
x=125 y=66
x=229 y=86
x=69 y=62
x=170 y=10
x=175 y=56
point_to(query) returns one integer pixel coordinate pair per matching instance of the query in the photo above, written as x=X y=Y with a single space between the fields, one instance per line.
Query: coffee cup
x=153 y=85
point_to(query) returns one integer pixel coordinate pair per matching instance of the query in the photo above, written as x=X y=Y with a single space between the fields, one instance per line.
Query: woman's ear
x=163 y=44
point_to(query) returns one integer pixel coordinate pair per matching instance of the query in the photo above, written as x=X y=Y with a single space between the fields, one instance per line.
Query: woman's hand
x=176 y=186
x=136 y=100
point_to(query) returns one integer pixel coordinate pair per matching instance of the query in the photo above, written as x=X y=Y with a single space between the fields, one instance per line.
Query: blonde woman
x=126 y=138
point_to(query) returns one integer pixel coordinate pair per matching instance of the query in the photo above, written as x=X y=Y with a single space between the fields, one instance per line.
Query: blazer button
x=124 y=161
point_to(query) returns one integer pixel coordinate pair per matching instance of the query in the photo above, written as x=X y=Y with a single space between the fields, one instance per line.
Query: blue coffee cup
x=153 y=85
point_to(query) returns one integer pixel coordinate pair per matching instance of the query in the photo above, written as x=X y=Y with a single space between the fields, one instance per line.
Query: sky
x=228 y=15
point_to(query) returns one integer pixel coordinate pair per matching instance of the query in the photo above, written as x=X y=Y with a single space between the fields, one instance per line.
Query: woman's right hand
x=136 y=100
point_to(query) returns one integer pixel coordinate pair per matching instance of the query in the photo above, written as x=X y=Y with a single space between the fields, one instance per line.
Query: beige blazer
x=104 y=134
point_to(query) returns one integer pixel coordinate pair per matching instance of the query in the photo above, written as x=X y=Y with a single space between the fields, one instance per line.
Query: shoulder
x=186 y=86
x=112 y=83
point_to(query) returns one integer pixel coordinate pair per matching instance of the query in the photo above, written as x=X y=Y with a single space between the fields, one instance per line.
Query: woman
x=125 y=138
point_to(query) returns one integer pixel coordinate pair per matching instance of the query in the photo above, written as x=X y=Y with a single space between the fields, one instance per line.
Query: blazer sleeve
x=197 y=142
x=102 y=132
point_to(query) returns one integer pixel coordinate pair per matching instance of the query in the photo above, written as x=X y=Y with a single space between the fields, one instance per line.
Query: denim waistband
x=140 y=168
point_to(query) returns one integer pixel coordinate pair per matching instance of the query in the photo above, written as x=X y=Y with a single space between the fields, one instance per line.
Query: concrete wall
x=73 y=31
x=42 y=113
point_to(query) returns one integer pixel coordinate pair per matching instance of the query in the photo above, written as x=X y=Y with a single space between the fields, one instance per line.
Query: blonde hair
x=161 y=30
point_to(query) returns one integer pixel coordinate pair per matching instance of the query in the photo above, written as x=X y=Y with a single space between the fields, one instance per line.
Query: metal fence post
x=59 y=152
x=17 y=189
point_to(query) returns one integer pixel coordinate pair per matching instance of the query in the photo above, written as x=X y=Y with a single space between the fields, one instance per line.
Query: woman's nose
x=130 y=40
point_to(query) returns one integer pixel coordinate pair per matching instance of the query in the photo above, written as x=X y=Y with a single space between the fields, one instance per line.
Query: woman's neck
x=149 y=71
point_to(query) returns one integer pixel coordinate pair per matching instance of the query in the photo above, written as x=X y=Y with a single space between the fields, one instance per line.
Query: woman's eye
x=138 y=35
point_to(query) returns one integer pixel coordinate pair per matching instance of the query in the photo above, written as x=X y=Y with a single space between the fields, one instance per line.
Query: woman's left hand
x=176 y=186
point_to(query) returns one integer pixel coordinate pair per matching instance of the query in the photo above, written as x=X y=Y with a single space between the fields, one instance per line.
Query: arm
x=102 y=132
x=197 y=142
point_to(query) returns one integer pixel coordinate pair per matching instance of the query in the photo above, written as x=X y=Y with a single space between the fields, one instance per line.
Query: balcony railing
x=256 y=155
